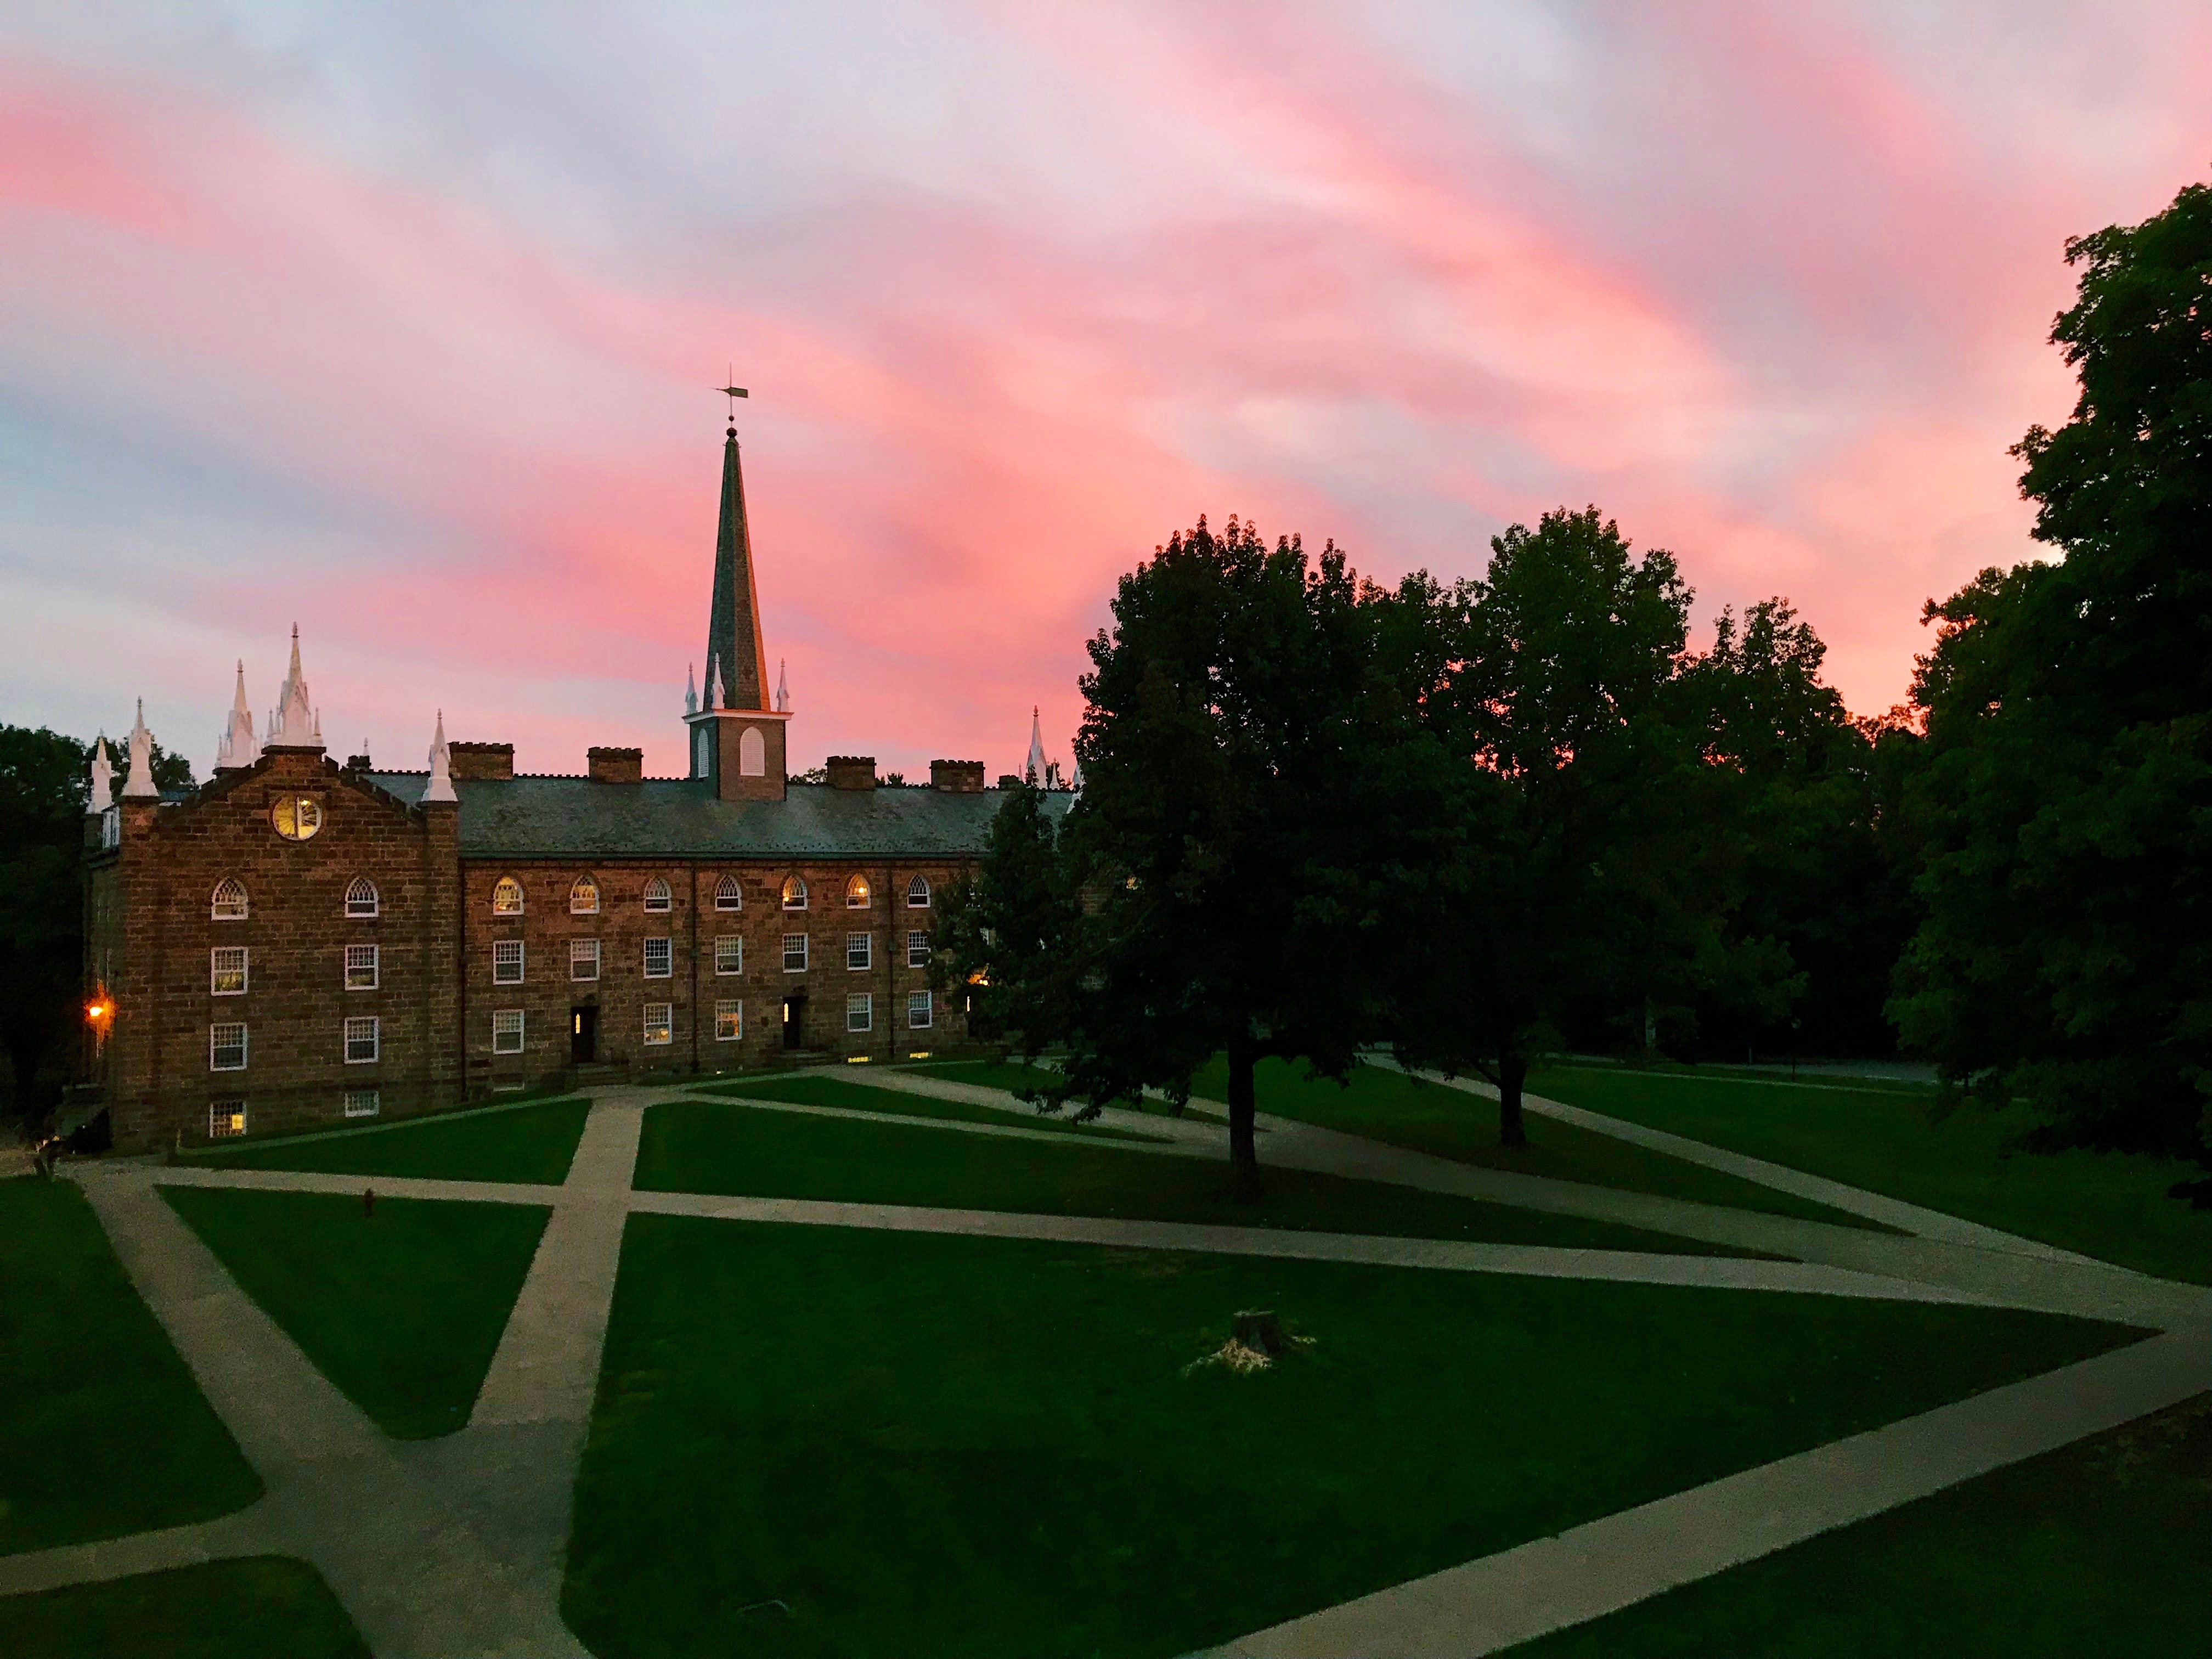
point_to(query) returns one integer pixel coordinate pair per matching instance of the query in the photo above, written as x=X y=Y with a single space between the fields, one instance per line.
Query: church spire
x=1036 y=770
x=733 y=630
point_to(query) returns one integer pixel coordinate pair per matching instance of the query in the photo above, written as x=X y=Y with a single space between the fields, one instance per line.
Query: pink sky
x=400 y=322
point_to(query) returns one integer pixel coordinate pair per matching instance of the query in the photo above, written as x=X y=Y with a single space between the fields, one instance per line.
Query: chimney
x=1008 y=781
x=616 y=765
x=957 y=777
x=850 y=771
x=481 y=761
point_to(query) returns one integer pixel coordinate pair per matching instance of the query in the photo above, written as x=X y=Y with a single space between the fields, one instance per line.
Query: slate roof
x=680 y=818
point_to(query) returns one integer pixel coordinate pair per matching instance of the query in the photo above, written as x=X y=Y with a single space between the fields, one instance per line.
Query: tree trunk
x=1512 y=1073
x=1243 y=1153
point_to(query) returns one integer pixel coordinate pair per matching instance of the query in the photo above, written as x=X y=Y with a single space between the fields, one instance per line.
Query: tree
x=1009 y=937
x=2066 y=801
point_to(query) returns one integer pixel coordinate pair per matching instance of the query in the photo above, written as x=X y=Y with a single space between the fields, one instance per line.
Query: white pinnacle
x=103 y=776
x=140 y=785
x=782 y=690
x=296 y=724
x=440 y=785
x=690 y=690
x=710 y=702
x=1034 y=771
x=239 y=747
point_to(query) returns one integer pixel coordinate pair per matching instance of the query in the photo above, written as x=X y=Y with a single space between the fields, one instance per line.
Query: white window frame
x=790 y=967
x=659 y=1017
x=216 y=1045
x=583 y=953
x=363 y=1028
x=110 y=828
x=226 y=1118
x=729 y=954
x=729 y=1019
x=507 y=1023
x=860 y=953
x=362 y=1102
x=860 y=886
x=794 y=887
x=360 y=898
x=355 y=963
x=658 y=901
x=917 y=948
x=215 y=970
x=584 y=897
x=919 y=884
x=729 y=894
x=229 y=902
x=667 y=968
x=504 y=951
x=505 y=886
x=860 y=1012
x=923 y=1003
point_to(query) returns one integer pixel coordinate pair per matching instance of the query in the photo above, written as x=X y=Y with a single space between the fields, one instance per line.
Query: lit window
x=860 y=1011
x=794 y=953
x=583 y=897
x=794 y=894
x=227 y=1047
x=583 y=958
x=917 y=894
x=362 y=1102
x=659 y=960
x=360 y=1040
x=857 y=893
x=226 y=970
x=507 y=896
x=226 y=1117
x=729 y=1020
x=858 y=947
x=506 y=1031
x=917 y=1011
x=656 y=896
x=361 y=967
x=361 y=897
x=659 y=1024
x=507 y=962
x=729 y=954
x=228 y=904
x=728 y=895
x=917 y=950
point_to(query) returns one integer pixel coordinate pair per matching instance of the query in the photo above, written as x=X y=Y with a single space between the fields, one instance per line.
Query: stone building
x=301 y=941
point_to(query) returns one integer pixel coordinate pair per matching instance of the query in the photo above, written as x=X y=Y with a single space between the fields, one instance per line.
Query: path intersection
x=455 y=1547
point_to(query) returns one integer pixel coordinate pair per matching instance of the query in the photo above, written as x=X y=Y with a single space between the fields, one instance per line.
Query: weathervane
x=732 y=392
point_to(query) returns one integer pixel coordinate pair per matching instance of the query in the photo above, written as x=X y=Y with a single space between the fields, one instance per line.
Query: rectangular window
x=917 y=1011
x=660 y=959
x=859 y=949
x=659 y=1024
x=507 y=962
x=583 y=958
x=729 y=954
x=226 y=1048
x=729 y=1020
x=860 y=1011
x=226 y=970
x=506 y=1031
x=794 y=953
x=362 y=1102
x=361 y=967
x=917 y=950
x=226 y=1117
x=360 y=1040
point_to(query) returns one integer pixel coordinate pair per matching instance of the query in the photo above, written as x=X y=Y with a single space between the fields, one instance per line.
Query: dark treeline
x=1484 y=821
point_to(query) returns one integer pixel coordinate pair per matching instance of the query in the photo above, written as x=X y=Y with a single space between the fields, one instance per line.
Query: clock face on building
x=296 y=816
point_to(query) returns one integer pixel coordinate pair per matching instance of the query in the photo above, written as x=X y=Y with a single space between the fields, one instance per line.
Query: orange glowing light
x=94 y=1010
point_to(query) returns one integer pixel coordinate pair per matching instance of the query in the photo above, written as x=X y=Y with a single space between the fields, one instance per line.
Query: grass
x=2108 y=1205
x=1429 y=1117
x=859 y=1097
x=532 y=1144
x=705 y=1146
x=995 y=1074
x=258 y=1607
x=403 y=1309
x=935 y=1445
x=107 y=1433
x=2103 y=1547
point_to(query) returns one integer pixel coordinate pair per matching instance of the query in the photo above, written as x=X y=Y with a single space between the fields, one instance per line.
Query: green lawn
x=107 y=1432
x=259 y=1607
x=1429 y=1117
x=531 y=1144
x=707 y=1146
x=402 y=1309
x=2108 y=1205
x=858 y=1097
x=1013 y=1079
x=939 y=1445
x=2102 y=1548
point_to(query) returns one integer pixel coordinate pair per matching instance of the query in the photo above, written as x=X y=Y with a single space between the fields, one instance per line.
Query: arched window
x=228 y=902
x=856 y=893
x=361 y=897
x=917 y=893
x=728 y=895
x=656 y=895
x=583 y=897
x=507 y=896
x=752 y=753
x=794 y=894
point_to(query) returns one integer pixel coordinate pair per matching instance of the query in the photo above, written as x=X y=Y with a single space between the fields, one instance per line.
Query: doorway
x=794 y=1021
x=583 y=1036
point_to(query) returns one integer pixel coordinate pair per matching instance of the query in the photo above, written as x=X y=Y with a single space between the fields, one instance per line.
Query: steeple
x=239 y=747
x=733 y=630
x=1034 y=771
x=295 y=725
x=103 y=776
x=441 y=785
x=140 y=785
